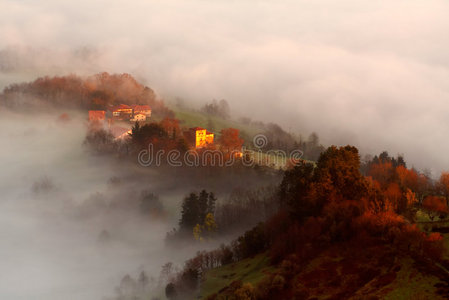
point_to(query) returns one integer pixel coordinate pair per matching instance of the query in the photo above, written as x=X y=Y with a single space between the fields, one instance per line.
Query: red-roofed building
x=142 y=109
x=121 y=111
x=97 y=115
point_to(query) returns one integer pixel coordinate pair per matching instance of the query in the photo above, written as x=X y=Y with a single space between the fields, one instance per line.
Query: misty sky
x=371 y=73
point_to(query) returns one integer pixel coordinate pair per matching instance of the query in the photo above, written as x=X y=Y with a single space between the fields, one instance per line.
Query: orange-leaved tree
x=230 y=140
x=434 y=206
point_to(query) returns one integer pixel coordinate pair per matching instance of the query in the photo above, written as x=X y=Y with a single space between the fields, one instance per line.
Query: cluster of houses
x=196 y=137
x=121 y=112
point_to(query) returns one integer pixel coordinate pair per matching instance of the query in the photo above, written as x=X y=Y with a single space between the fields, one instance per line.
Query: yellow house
x=199 y=137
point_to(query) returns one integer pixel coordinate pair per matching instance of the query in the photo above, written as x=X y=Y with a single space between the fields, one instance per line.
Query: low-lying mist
x=74 y=222
x=55 y=203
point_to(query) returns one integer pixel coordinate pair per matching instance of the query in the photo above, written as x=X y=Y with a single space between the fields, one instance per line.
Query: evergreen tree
x=170 y=291
x=195 y=209
x=202 y=205
x=211 y=203
x=189 y=213
x=143 y=281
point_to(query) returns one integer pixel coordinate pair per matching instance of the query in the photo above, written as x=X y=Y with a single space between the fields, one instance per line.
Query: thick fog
x=371 y=73
x=57 y=199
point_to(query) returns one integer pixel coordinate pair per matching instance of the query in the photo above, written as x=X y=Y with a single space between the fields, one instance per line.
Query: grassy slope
x=349 y=275
x=411 y=284
x=191 y=118
x=250 y=270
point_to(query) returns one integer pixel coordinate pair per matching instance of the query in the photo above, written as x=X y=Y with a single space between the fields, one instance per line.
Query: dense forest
x=359 y=228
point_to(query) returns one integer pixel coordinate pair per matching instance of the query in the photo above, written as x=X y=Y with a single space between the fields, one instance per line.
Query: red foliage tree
x=434 y=206
x=382 y=172
x=230 y=140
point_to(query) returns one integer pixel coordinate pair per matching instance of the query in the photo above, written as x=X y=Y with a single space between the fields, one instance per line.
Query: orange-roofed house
x=199 y=137
x=122 y=111
x=97 y=115
x=141 y=109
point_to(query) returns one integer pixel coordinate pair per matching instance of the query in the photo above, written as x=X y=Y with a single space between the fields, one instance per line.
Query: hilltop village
x=119 y=119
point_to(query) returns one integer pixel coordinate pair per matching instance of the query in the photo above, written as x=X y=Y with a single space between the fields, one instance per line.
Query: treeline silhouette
x=96 y=92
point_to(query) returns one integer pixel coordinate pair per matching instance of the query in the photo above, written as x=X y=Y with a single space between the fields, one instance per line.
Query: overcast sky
x=371 y=73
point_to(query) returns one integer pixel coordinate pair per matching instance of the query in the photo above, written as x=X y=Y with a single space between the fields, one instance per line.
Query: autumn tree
x=230 y=140
x=375 y=195
x=425 y=186
x=197 y=232
x=338 y=174
x=394 y=198
x=386 y=169
x=408 y=178
x=143 y=135
x=306 y=189
x=171 y=127
x=410 y=196
x=382 y=172
x=434 y=206
x=206 y=229
x=210 y=226
x=245 y=292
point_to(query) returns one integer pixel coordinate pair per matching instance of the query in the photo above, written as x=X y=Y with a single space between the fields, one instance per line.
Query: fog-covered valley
x=53 y=209
x=238 y=150
x=73 y=222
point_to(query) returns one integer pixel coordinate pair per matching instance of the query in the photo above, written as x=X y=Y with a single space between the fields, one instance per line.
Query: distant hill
x=94 y=92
